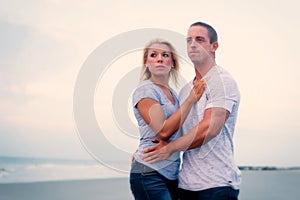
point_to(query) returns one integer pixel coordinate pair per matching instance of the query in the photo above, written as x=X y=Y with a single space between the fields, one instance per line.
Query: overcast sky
x=44 y=45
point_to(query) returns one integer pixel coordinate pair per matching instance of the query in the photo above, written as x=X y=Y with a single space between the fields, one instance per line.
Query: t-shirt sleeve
x=222 y=93
x=144 y=91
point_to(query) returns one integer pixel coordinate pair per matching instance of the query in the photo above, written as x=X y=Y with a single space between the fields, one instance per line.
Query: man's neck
x=202 y=69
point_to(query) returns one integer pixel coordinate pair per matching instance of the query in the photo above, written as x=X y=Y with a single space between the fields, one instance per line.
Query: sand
x=100 y=189
x=256 y=185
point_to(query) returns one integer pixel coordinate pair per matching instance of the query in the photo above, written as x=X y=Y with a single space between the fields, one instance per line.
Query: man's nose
x=193 y=43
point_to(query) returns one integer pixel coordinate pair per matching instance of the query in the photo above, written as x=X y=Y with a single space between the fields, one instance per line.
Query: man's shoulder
x=223 y=76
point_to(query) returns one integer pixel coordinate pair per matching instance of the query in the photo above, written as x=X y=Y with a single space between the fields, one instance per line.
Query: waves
x=15 y=170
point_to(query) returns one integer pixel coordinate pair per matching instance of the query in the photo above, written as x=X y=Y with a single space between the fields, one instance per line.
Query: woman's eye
x=153 y=55
x=165 y=55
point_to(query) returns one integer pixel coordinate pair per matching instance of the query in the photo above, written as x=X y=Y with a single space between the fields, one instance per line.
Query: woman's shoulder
x=144 y=87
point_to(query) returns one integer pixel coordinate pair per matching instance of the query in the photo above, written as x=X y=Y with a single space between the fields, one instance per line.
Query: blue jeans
x=218 y=193
x=148 y=184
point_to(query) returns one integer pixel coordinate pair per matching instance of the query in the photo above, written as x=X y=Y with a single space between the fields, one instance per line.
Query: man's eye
x=165 y=55
x=153 y=55
x=188 y=40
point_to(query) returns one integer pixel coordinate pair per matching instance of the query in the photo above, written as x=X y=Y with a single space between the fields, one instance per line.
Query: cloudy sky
x=45 y=44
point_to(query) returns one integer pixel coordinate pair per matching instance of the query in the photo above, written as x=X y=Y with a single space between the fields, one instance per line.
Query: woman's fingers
x=199 y=87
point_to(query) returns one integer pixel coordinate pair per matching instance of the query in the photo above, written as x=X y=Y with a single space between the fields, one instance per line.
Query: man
x=208 y=169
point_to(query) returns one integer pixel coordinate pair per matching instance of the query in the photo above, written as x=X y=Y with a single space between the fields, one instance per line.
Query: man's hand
x=157 y=153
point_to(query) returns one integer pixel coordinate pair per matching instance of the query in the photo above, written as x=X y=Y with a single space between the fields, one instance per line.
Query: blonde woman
x=159 y=115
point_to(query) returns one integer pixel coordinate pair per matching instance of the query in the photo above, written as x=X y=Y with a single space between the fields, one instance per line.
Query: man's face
x=199 y=47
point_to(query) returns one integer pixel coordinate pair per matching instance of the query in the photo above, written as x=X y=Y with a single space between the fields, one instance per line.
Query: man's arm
x=209 y=127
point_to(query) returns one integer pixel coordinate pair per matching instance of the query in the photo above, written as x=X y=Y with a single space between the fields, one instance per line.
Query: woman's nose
x=159 y=59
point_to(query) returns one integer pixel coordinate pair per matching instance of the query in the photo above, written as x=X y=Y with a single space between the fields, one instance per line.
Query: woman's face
x=159 y=59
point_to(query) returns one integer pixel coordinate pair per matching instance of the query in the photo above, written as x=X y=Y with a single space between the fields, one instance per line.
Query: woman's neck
x=163 y=81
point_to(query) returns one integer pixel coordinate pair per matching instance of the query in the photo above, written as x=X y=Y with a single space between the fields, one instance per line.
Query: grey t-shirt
x=147 y=89
x=212 y=164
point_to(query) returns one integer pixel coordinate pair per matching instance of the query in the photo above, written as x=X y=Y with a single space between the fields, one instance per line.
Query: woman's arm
x=153 y=114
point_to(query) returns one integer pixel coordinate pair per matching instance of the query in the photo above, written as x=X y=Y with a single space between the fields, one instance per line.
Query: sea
x=270 y=185
x=283 y=184
x=21 y=170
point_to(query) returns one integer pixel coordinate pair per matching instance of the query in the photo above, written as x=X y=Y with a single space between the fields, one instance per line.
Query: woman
x=159 y=115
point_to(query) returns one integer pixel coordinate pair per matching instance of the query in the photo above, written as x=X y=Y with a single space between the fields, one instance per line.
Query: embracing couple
x=199 y=122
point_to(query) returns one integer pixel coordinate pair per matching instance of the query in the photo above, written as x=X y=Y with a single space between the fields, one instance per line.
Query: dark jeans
x=218 y=193
x=148 y=184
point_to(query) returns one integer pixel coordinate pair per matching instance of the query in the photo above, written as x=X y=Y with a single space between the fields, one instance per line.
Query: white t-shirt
x=212 y=164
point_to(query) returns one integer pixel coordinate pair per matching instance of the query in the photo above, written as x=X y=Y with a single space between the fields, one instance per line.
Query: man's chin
x=195 y=59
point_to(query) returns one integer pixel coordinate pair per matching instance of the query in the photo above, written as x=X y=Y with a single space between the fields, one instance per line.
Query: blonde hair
x=146 y=74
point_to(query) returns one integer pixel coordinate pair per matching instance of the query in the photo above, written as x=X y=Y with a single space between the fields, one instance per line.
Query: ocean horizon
x=32 y=169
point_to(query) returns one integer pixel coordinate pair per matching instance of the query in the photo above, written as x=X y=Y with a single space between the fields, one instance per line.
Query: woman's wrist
x=191 y=100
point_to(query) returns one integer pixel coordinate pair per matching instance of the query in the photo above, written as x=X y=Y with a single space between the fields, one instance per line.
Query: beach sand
x=256 y=185
x=100 y=189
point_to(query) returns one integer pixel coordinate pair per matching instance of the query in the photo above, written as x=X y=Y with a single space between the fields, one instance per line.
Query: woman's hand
x=197 y=90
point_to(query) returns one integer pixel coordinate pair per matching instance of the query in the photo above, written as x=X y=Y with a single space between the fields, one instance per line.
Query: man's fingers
x=153 y=160
x=148 y=157
x=149 y=150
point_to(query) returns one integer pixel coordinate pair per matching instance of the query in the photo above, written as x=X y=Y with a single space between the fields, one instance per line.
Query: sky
x=46 y=45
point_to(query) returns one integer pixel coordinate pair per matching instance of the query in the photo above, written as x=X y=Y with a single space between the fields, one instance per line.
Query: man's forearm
x=207 y=129
x=194 y=138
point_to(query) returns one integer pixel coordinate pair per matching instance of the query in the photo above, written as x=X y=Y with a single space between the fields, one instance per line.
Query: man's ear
x=214 y=46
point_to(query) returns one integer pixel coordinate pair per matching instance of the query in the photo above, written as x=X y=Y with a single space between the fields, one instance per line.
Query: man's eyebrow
x=200 y=37
x=197 y=37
